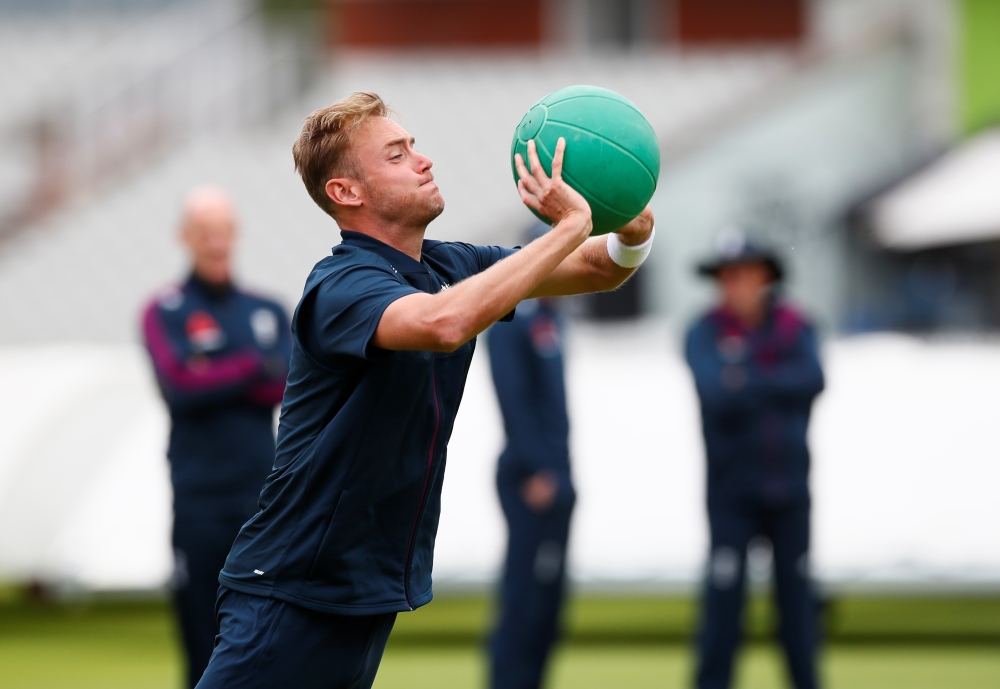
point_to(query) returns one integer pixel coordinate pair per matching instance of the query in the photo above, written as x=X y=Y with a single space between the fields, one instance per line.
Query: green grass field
x=920 y=643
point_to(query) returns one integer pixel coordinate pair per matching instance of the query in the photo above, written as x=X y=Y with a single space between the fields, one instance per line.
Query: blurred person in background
x=535 y=487
x=757 y=371
x=221 y=358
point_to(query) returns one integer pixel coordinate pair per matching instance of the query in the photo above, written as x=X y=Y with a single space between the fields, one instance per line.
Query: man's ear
x=345 y=191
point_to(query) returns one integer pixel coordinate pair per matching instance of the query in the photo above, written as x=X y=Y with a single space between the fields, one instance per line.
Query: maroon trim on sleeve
x=173 y=371
x=267 y=393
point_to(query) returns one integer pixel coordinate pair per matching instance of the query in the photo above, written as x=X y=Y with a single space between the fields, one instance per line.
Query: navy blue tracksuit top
x=221 y=357
x=527 y=362
x=349 y=515
x=756 y=390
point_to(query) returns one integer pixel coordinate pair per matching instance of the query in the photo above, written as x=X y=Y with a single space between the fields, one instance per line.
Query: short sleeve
x=459 y=260
x=475 y=259
x=346 y=309
x=487 y=256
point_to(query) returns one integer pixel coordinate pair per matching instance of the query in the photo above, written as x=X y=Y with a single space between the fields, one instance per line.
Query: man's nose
x=424 y=163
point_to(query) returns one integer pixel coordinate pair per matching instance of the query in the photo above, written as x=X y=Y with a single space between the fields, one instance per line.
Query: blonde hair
x=323 y=150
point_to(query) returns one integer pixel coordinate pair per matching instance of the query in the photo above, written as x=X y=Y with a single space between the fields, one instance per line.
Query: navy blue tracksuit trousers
x=533 y=586
x=526 y=359
x=201 y=543
x=266 y=643
x=733 y=523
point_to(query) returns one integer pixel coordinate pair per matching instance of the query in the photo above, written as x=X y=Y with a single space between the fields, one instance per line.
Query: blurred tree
x=980 y=64
x=282 y=6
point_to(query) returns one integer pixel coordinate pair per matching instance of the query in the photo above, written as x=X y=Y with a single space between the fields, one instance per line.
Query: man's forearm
x=588 y=269
x=449 y=319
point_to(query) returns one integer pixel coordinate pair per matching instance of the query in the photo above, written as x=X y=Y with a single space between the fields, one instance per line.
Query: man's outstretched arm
x=590 y=268
x=445 y=321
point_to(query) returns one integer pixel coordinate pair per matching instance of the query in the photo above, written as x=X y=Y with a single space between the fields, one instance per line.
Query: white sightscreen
x=904 y=479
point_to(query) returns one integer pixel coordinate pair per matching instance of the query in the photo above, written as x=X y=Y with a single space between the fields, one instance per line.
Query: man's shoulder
x=706 y=321
x=345 y=259
x=439 y=250
x=170 y=298
x=789 y=312
x=437 y=246
x=790 y=322
x=461 y=259
x=345 y=256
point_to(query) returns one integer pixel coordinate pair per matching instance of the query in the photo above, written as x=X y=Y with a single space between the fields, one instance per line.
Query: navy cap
x=733 y=247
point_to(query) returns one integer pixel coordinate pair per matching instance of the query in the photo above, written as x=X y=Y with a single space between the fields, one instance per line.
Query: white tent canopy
x=956 y=200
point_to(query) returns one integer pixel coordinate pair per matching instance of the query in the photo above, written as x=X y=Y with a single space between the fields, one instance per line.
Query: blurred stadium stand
x=106 y=254
x=93 y=92
x=931 y=245
x=783 y=129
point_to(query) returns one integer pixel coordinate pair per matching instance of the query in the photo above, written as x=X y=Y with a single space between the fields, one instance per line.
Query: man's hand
x=539 y=491
x=445 y=321
x=637 y=231
x=590 y=268
x=551 y=196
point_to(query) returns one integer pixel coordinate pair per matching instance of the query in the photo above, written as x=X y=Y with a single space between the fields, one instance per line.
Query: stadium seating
x=105 y=254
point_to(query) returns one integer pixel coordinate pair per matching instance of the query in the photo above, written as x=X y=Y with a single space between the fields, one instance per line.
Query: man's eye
x=398 y=156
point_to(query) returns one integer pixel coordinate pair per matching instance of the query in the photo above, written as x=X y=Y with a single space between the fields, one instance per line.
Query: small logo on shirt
x=204 y=332
x=732 y=348
x=545 y=336
x=264 y=324
x=258 y=572
x=445 y=286
x=171 y=299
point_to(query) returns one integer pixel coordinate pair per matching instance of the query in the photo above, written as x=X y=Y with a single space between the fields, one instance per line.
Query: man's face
x=744 y=285
x=209 y=234
x=399 y=184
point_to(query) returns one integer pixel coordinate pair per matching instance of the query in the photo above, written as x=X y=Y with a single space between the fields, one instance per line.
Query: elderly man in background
x=757 y=371
x=221 y=358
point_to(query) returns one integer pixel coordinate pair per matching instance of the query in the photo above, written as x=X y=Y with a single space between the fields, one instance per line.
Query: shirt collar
x=399 y=261
x=208 y=289
x=734 y=325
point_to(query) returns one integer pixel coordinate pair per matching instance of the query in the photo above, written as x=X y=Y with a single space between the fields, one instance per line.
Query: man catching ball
x=382 y=342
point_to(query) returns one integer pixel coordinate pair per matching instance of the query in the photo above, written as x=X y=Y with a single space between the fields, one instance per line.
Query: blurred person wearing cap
x=757 y=371
x=221 y=358
x=535 y=488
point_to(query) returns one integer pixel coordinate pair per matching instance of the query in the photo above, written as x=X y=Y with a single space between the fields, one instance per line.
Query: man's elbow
x=449 y=333
x=607 y=278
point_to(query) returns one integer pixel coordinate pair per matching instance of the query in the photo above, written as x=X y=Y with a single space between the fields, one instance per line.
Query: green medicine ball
x=612 y=156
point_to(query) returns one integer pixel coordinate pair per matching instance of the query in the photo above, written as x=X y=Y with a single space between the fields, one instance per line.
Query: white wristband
x=629 y=256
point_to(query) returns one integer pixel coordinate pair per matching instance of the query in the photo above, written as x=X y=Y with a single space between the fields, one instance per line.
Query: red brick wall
x=733 y=21
x=435 y=23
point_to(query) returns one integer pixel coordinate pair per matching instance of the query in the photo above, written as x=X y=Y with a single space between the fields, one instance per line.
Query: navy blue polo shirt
x=526 y=359
x=220 y=356
x=349 y=515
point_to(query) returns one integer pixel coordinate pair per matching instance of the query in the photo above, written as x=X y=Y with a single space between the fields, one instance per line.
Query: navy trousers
x=266 y=643
x=201 y=543
x=733 y=523
x=533 y=586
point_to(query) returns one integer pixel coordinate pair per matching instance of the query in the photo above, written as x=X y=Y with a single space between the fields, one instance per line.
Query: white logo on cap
x=730 y=242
